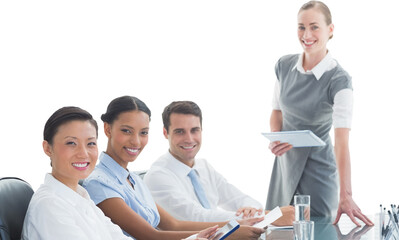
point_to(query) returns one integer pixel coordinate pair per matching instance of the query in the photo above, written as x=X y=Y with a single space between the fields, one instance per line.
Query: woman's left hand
x=348 y=206
x=207 y=233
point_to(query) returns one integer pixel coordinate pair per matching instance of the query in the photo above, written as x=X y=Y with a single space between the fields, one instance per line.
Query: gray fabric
x=306 y=104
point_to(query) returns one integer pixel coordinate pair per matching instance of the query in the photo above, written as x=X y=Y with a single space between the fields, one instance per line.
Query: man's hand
x=248 y=212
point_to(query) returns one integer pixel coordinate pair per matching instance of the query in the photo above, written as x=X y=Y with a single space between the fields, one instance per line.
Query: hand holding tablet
x=223 y=232
x=226 y=230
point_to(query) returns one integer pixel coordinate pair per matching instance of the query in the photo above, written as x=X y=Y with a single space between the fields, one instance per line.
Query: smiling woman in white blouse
x=62 y=209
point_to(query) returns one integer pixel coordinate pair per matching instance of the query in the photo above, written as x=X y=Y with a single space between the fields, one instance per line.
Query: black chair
x=15 y=195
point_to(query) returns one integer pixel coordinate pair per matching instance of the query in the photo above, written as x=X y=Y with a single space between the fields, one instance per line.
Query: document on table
x=272 y=216
x=301 y=138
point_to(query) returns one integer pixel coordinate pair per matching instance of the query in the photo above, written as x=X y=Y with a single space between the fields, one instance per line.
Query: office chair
x=141 y=174
x=15 y=195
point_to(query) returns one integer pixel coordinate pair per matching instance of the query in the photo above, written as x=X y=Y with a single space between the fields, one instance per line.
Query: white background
x=220 y=54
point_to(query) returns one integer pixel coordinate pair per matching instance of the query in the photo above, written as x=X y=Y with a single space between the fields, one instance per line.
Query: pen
x=393 y=222
x=395 y=216
x=389 y=220
x=388 y=234
x=387 y=225
x=382 y=220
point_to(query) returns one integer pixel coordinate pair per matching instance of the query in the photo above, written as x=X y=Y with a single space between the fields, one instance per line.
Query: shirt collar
x=65 y=192
x=119 y=172
x=327 y=63
x=178 y=167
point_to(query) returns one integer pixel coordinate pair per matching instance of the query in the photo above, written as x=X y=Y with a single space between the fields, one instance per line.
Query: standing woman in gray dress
x=313 y=92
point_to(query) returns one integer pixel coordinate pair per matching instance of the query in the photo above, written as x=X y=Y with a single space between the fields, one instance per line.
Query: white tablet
x=223 y=232
x=302 y=138
x=226 y=230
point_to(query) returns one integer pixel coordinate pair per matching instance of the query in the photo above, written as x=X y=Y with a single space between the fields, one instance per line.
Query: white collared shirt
x=343 y=99
x=58 y=212
x=172 y=189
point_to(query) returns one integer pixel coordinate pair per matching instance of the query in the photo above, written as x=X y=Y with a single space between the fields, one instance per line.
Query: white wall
x=220 y=54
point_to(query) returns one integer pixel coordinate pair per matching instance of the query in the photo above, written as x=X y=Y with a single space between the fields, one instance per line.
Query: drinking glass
x=302 y=207
x=303 y=230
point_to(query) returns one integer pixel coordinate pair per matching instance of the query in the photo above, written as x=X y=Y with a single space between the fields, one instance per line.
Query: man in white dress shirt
x=169 y=178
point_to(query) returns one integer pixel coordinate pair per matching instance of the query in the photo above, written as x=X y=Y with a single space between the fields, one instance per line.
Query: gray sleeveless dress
x=306 y=103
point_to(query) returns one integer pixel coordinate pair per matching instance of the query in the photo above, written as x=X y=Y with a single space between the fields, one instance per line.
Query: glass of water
x=303 y=230
x=302 y=207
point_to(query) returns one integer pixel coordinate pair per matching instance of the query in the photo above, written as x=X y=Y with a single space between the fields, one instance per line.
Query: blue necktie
x=199 y=191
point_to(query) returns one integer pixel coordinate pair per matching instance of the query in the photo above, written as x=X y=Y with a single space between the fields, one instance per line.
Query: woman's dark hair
x=124 y=104
x=62 y=116
x=182 y=107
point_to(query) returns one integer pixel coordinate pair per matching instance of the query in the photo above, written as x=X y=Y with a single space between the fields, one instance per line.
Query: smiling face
x=73 y=152
x=185 y=136
x=127 y=136
x=313 y=32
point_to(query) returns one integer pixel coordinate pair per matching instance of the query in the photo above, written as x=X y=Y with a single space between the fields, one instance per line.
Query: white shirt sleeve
x=177 y=196
x=276 y=96
x=52 y=218
x=169 y=193
x=343 y=109
x=230 y=197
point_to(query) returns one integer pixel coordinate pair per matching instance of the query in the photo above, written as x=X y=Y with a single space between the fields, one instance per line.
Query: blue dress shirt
x=108 y=180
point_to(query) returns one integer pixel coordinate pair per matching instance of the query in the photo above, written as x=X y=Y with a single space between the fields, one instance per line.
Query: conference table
x=325 y=230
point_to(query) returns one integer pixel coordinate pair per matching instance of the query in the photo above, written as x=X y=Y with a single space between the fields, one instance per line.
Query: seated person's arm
x=244 y=232
x=132 y=223
x=233 y=199
x=51 y=221
x=168 y=222
x=166 y=191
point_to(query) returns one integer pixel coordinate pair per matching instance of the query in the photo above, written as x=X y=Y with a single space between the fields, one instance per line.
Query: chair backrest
x=15 y=195
x=141 y=173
